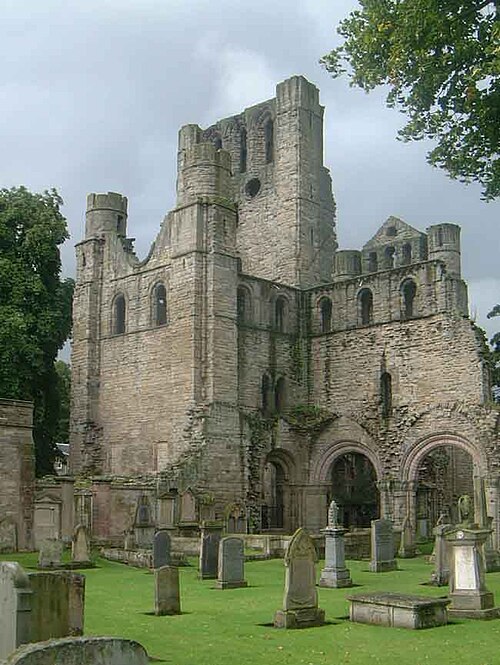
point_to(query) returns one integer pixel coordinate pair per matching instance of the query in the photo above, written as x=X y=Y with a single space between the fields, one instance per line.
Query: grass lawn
x=231 y=627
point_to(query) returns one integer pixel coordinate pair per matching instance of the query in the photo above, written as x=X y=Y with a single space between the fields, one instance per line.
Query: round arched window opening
x=252 y=187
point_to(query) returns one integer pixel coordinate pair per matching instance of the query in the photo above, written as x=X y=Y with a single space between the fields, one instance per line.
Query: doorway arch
x=354 y=489
x=277 y=476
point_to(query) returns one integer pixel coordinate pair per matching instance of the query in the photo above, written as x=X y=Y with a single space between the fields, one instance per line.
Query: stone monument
x=334 y=574
x=50 y=553
x=80 y=550
x=161 y=549
x=143 y=524
x=469 y=596
x=441 y=573
x=211 y=533
x=407 y=543
x=300 y=602
x=382 y=542
x=231 y=566
x=167 y=593
x=15 y=607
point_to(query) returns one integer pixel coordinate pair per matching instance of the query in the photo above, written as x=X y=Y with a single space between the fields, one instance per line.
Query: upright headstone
x=441 y=573
x=407 y=543
x=8 y=535
x=80 y=550
x=334 y=574
x=143 y=524
x=15 y=607
x=300 y=602
x=231 y=566
x=211 y=533
x=382 y=541
x=57 y=605
x=161 y=549
x=50 y=553
x=167 y=593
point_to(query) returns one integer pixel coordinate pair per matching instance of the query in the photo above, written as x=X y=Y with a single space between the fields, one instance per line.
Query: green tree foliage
x=35 y=308
x=63 y=372
x=441 y=61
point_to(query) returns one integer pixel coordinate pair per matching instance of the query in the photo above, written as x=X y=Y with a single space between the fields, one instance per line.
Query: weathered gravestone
x=15 y=607
x=8 y=535
x=441 y=573
x=382 y=541
x=334 y=574
x=300 y=602
x=80 y=550
x=81 y=650
x=211 y=533
x=143 y=524
x=129 y=542
x=167 y=593
x=161 y=549
x=50 y=554
x=407 y=544
x=57 y=604
x=231 y=564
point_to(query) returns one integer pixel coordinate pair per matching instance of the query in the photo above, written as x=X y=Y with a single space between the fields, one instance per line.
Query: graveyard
x=218 y=627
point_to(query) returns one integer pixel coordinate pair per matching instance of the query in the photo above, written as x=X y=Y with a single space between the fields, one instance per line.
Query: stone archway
x=277 y=507
x=354 y=489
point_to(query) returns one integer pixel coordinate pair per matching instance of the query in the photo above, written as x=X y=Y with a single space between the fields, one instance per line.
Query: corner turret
x=106 y=213
x=444 y=244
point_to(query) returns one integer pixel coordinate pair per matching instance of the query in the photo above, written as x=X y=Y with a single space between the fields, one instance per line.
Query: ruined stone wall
x=17 y=470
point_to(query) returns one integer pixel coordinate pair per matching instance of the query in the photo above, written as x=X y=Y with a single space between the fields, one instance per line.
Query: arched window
x=325 y=310
x=365 y=299
x=406 y=252
x=386 y=393
x=218 y=143
x=408 y=293
x=280 y=311
x=265 y=393
x=243 y=305
x=389 y=257
x=269 y=141
x=372 y=262
x=119 y=314
x=243 y=150
x=280 y=395
x=159 y=305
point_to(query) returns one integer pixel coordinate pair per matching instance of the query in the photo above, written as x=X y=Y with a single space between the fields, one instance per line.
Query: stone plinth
x=469 y=596
x=334 y=574
x=398 y=610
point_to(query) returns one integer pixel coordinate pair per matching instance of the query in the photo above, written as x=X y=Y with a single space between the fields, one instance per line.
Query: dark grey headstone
x=382 y=547
x=209 y=551
x=161 y=549
x=231 y=563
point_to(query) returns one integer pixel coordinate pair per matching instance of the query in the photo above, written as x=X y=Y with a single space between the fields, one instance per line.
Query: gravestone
x=231 y=564
x=300 y=602
x=441 y=573
x=57 y=605
x=187 y=507
x=143 y=524
x=15 y=607
x=50 y=554
x=78 y=650
x=80 y=550
x=211 y=533
x=382 y=542
x=167 y=594
x=129 y=542
x=407 y=543
x=8 y=535
x=161 y=549
x=334 y=574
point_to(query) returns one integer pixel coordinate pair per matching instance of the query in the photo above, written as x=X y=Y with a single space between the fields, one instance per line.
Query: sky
x=93 y=93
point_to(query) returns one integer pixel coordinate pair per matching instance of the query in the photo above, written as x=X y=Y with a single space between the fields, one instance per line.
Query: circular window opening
x=253 y=187
x=391 y=231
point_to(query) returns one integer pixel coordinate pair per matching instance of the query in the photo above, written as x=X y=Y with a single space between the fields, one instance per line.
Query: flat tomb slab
x=398 y=610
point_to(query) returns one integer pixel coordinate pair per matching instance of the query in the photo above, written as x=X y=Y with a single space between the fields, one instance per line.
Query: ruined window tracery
x=325 y=309
x=119 y=315
x=159 y=305
x=280 y=314
x=372 y=262
x=269 y=140
x=386 y=393
x=280 y=395
x=408 y=293
x=406 y=251
x=218 y=143
x=265 y=393
x=243 y=305
x=389 y=257
x=365 y=300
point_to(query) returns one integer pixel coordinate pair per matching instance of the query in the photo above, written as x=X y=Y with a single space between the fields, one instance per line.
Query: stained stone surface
x=300 y=601
x=161 y=549
x=382 y=541
x=167 y=592
x=15 y=607
x=58 y=604
x=231 y=564
x=50 y=553
x=211 y=534
x=81 y=651
x=80 y=549
x=398 y=610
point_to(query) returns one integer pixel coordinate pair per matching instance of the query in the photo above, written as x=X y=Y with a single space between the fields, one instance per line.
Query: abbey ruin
x=249 y=371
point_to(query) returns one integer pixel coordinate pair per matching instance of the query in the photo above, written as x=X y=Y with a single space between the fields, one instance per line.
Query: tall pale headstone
x=300 y=602
x=167 y=592
x=161 y=549
x=407 y=543
x=334 y=574
x=15 y=607
x=211 y=533
x=80 y=549
x=382 y=541
x=441 y=573
x=50 y=553
x=231 y=564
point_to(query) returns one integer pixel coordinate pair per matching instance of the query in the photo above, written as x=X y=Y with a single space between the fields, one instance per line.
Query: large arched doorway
x=444 y=474
x=277 y=510
x=354 y=488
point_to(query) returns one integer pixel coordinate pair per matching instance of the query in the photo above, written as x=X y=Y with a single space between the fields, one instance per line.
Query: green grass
x=229 y=627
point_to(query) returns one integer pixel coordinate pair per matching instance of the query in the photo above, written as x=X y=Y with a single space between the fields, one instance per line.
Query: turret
x=347 y=264
x=444 y=244
x=106 y=213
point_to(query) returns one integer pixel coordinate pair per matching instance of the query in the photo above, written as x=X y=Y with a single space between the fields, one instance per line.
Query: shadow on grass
x=162 y=616
x=323 y=625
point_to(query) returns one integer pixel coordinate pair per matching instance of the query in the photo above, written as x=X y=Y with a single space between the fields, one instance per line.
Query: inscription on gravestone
x=382 y=541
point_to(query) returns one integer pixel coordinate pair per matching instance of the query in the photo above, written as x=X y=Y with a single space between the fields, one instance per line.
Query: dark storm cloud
x=93 y=93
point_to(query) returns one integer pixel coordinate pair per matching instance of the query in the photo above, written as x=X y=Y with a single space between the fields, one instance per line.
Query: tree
x=35 y=308
x=441 y=61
